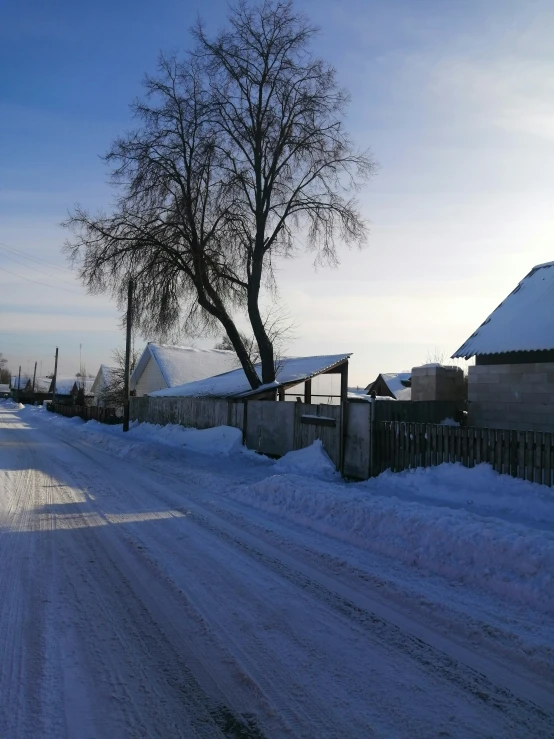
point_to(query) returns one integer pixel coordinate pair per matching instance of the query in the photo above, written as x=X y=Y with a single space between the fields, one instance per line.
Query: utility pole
x=55 y=378
x=126 y=408
x=34 y=377
x=18 y=383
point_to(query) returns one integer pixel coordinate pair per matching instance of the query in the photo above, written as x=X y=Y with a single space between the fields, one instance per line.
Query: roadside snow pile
x=11 y=404
x=224 y=440
x=312 y=461
x=511 y=560
x=479 y=490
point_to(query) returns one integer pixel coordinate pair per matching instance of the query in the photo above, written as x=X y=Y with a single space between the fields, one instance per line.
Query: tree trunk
x=265 y=346
x=219 y=312
x=242 y=353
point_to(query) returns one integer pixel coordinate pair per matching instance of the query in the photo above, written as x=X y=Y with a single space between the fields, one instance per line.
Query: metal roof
x=523 y=322
x=291 y=371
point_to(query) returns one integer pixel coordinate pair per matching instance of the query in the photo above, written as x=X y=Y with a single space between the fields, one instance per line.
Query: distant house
x=103 y=378
x=162 y=366
x=293 y=381
x=397 y=385
x=511 y=385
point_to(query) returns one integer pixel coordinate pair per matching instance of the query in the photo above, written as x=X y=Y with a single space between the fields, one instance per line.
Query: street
x=137 y=599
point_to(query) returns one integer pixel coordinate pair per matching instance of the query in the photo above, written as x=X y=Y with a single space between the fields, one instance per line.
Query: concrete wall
x=512 y=396
x=437 y=383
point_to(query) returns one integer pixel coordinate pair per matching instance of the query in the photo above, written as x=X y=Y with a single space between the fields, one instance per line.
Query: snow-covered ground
x=169 y=583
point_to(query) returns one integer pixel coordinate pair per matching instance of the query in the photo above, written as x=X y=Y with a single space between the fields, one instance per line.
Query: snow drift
x=310 y=462
x=509 y=559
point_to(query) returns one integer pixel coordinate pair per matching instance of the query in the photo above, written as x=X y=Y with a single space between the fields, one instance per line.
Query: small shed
x=511 y=385
x=292 y=373
x=396 y=385
x=162 y=366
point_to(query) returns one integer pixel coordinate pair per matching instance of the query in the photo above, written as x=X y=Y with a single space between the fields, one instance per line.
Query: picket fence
x=399 y=446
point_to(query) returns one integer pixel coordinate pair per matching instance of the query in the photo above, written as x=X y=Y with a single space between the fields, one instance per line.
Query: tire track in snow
x=327 y=595
x=78 y=609
x=533 y=717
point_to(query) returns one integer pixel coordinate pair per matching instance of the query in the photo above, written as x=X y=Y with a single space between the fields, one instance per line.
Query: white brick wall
x=512 y=396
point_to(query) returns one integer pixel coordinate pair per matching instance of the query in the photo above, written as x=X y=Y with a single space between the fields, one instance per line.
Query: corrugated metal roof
x=234 y=384
x=523 y=322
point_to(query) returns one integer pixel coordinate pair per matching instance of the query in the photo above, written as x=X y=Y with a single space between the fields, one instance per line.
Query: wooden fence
x=399 y=446
x=87 y=412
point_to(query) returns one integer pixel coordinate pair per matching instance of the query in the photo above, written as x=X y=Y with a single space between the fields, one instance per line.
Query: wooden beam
x=344 y=381
x=308 y=391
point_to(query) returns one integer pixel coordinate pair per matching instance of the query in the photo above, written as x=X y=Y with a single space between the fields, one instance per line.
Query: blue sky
x=455 y=98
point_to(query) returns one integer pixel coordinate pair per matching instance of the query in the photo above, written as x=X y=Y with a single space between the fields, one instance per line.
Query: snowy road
x=138 y=599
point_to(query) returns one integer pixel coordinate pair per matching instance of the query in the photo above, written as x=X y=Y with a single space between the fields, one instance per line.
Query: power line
x=44 y=284
x=29 y=256
x=29 y=266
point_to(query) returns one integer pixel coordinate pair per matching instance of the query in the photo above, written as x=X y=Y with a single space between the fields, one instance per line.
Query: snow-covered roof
x=364 y=397
x=291 y=371
x=397 y=383
x=524 y=321
x=103 y=378
x=183 y=364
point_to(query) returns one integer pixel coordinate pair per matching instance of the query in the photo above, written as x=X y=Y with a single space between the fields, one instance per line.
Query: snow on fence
x=399 y=446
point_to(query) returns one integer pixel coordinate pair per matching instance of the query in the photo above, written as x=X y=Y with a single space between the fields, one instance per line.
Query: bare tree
x=5 y=373
x=240 y=150
x=436 y=355
x=113 y=394
x=280 y=329
x=291 y=165
x=170 y=227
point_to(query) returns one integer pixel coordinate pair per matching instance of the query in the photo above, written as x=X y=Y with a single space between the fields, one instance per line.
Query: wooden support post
x=281 y=393
x=308 y=391
x=34 y=377
x=344 y=382
x=128 y=355
x=55 y=378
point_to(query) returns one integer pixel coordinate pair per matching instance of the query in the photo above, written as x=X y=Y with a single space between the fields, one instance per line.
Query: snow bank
x=479 y=490
x=224 y=440
x=312 y=461
x=509 y=559
x=11 y=404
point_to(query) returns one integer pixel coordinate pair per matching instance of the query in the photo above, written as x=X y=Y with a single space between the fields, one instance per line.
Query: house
x=294 y=379
x=396 y=385
x=4 y=390
x=103 y=379
x=511 y=385
x=162 y=366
